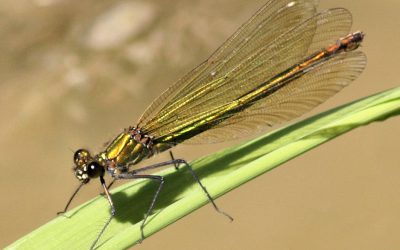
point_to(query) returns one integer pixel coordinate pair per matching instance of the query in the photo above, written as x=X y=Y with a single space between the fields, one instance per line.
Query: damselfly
x=285 y=60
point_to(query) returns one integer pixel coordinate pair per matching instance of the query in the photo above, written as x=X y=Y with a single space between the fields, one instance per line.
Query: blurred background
x=75 y=73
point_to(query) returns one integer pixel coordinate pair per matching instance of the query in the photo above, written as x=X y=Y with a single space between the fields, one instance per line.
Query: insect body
x=285 y=60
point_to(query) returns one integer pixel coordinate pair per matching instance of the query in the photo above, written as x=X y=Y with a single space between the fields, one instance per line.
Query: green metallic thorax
x=129 y=148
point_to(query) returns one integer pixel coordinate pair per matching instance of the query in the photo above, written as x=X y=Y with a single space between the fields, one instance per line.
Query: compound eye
x=81 y=175
x=81 y=157
x=94 y=169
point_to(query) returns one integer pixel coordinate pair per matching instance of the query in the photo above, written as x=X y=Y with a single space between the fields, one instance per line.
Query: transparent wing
x=331 y=25
x=259 y=66
x=291 y=101
x=275 y=18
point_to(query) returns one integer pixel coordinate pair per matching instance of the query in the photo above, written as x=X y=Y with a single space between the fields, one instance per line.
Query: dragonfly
x=285 y=60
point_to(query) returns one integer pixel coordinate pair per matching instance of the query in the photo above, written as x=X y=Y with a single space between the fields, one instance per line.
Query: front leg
x=108 y=187
x=112 y=212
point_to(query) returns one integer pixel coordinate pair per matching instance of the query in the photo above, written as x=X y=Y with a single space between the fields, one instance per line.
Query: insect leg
x=176 y=165
x=71 y=198
x=112 y=212
x=133 y=175
x=109 y=186
x=195 y=177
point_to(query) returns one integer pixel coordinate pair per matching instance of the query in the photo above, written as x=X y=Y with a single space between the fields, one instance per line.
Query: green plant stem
x=219 y=172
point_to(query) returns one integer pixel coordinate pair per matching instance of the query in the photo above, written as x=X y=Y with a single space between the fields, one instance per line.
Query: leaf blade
x=220 y=172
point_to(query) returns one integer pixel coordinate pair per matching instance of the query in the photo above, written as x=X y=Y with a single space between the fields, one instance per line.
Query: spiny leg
x=129 y=175
x=133 y=175
x=176 y=165
x=195 y=177
x=110 y=184
x=108 y=187
x=178 y=161
x=71 y=198
x=112 y=212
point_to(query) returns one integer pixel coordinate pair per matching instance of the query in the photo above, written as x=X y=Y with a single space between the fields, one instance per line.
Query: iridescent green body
x=133 y=145
x=128 y=148
x=285 y=60
x=125 y=149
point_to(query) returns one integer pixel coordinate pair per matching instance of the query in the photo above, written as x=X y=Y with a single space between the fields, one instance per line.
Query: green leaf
x=219 y=172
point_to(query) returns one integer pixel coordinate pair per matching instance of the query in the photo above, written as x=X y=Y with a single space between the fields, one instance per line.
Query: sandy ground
x=74 y=73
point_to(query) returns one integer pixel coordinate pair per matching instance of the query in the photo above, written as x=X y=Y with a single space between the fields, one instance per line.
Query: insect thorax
x=128 y=148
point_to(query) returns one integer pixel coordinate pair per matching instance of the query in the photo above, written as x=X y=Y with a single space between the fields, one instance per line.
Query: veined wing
x=287 y=104
x=296 y=98
x=229 y=81
x=261 y=30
